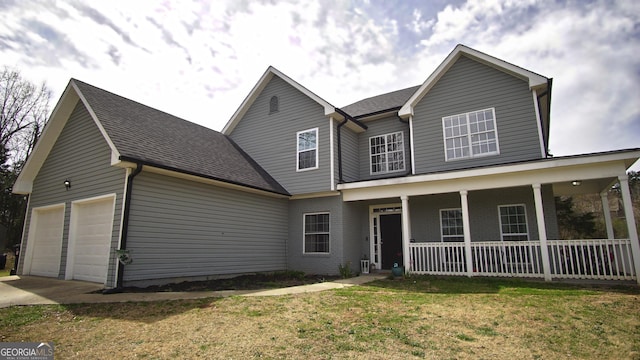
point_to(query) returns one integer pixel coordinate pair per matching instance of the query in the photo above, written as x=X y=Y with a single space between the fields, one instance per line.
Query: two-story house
x=449 y=177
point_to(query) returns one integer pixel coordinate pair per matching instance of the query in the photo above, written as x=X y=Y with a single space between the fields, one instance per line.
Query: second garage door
x=91 y=239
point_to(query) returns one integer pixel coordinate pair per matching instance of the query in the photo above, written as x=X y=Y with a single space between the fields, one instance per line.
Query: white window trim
x=298 y=149
x=442 y=236
x=526 y=219
x=471 y=155
x=304 y=233
x=404 y=159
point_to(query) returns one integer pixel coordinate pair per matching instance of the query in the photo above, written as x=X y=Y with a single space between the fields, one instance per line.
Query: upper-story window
x=273 y=105
x=386 y=153
x=471 y=134
x=307 y=157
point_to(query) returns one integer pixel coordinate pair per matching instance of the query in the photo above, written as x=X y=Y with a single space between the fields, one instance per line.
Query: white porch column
x=631 y=223
x=607 y=215
x=542 y=231
x=406 y=232
x=466 y=228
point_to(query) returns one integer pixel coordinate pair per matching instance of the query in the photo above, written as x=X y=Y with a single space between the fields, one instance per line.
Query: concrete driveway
x=31 y=290
x=36 y=290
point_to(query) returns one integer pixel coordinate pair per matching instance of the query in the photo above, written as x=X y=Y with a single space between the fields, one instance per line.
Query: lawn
x=414 y=317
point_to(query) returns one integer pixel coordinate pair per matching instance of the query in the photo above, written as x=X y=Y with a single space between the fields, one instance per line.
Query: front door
x=391 y=239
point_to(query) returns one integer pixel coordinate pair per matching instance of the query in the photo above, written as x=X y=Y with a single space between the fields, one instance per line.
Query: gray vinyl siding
x=81 y=155
x=470 y=86
x=356 y=234
x=350 y=155
x=326 y=264
x=182 y=229
x=376 y=128
x=483 y=213
x=270 y=139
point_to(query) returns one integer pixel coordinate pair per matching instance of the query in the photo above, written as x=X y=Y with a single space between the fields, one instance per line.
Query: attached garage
x=45 y=241
x=90 y=236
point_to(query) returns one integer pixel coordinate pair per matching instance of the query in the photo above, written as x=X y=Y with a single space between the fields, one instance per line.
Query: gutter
x=125 y=228
x=187 y=172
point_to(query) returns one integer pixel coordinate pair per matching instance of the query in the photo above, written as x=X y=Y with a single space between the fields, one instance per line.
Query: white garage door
x=91 y=239
x=45 y=242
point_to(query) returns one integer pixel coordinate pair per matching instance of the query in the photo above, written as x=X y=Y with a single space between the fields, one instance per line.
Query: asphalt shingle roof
x=379 y=103
x=156 y=138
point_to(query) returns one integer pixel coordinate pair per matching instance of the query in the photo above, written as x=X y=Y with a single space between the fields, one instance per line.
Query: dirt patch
x=243 y=282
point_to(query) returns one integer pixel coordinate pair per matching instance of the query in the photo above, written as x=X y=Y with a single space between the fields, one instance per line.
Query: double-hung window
x=386 y=153
x=307 y=154
x=470 y=134
x=451 y=225
x=513 y=223
x=316 y=233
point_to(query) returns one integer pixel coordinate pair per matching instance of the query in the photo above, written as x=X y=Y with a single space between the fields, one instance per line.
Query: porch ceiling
x=590 y=186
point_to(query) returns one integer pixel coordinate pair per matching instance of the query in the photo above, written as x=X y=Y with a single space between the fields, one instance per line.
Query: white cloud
x=198 y=60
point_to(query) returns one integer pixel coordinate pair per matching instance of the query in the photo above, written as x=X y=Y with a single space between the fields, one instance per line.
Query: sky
x=199 y=59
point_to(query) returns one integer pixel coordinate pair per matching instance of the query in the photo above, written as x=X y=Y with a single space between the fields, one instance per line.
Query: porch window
x=386 y=153
x=307 y=149
x=513 y=223
x=451 y=225
x=470 y=134
x=316 y=233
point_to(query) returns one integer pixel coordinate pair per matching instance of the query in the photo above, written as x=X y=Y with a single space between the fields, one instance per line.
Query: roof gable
x=141 y=134
x=58 y=119
x=534 y=80
x=257 y=89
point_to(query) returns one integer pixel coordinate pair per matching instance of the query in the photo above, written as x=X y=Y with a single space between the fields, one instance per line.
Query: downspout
x=340 y=179
x=547 y=92
x=125 y=228
x=410 y=145
x=347 y=117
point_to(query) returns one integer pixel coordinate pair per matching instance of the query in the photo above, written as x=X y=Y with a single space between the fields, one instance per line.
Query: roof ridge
x=144 y=105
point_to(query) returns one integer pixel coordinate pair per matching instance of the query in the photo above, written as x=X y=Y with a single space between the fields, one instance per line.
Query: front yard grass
x=414 y=317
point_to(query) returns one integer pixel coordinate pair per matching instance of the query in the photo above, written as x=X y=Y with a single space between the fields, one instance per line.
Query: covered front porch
x=527 y=243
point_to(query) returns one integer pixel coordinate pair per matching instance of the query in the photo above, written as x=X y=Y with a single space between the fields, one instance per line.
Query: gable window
x=386 y=153
x=316 y=233
x=307 y=149
x=273 y=105
x=513 y=223
x=470 y=135
x=451 y=225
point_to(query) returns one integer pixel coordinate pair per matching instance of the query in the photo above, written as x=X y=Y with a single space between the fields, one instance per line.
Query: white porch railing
x=591 y=259
x=574 y=259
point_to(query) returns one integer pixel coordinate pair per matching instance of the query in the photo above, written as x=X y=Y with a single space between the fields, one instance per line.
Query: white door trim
x=33 y=223
x=375 y=248
x=73 y=229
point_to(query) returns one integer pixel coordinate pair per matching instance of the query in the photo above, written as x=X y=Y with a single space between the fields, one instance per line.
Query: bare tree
x=24 y=108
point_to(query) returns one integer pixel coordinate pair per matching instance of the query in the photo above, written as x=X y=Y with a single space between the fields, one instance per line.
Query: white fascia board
x=257 y=89
x=115 y=154
x=534 y=80
x=544 y=172
x=50 y=133
x=218 y=183
x=315 y=195
x=248 y=101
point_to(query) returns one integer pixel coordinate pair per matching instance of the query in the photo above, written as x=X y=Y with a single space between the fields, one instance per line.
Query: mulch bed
x=243 y=282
